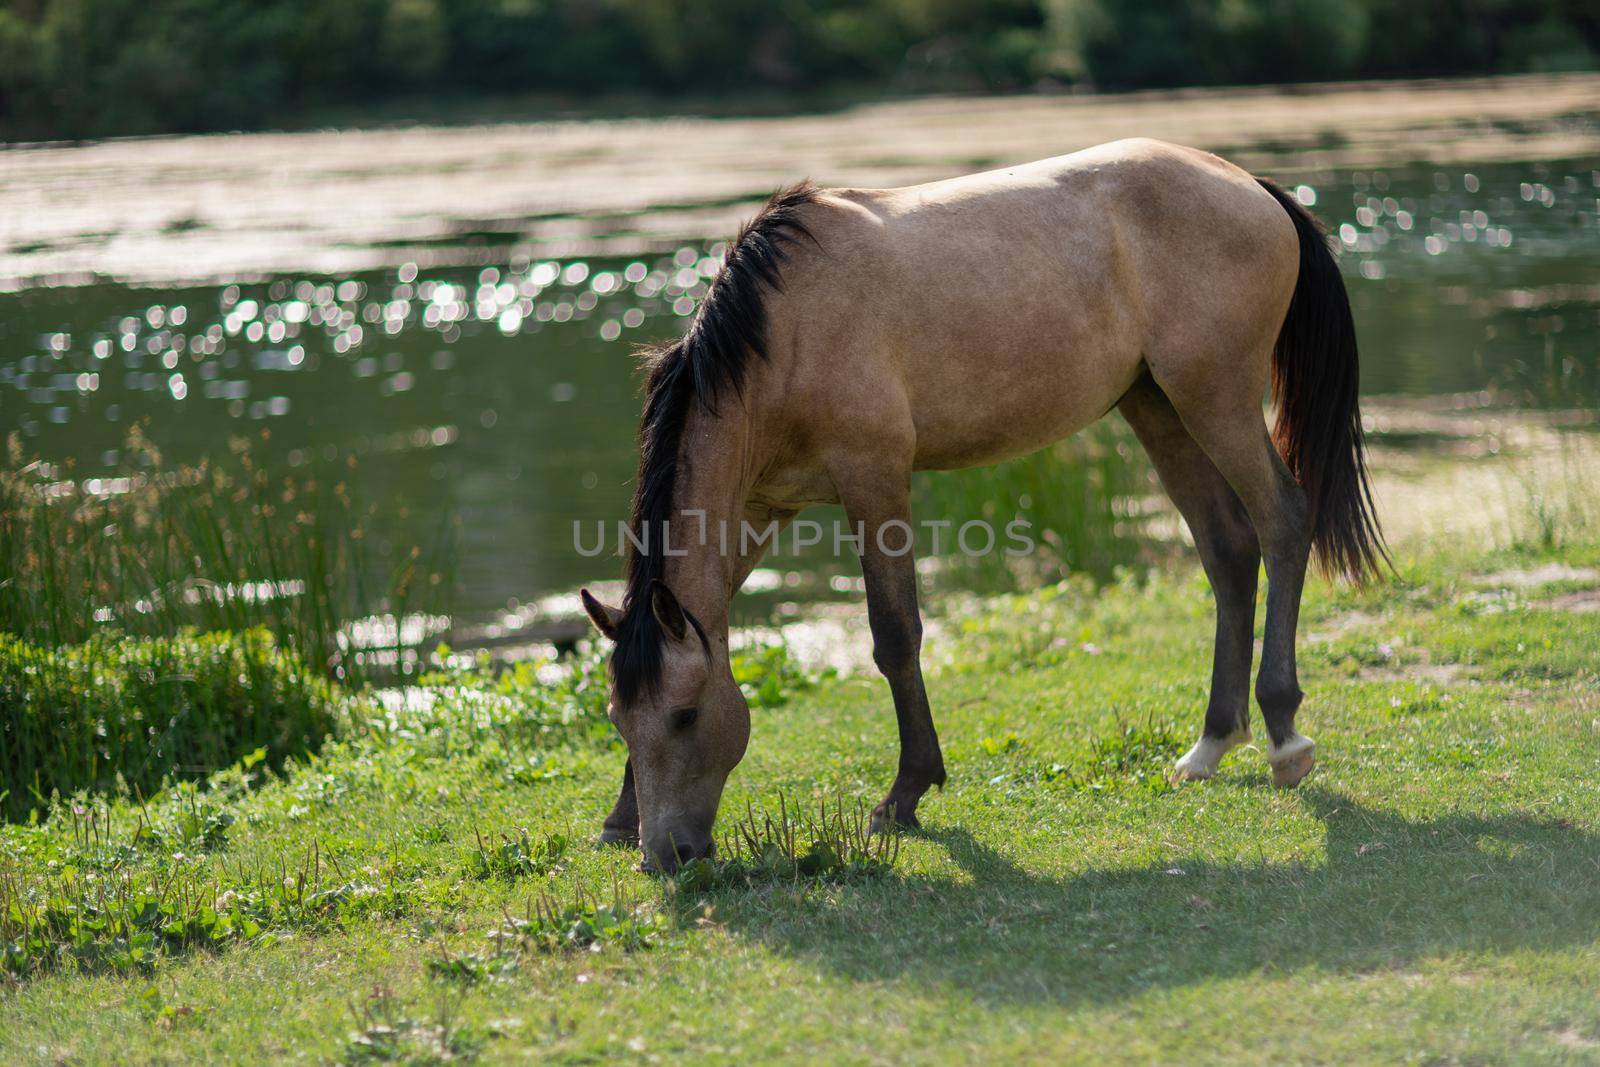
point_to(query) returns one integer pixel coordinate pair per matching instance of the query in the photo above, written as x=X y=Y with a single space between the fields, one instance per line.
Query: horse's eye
x=684 y=718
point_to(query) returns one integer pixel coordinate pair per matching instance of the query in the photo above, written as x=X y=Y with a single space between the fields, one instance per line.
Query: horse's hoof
x=1292 y=761
x=1197 y=764
x=886 y=819
x=1200 y=762
x=612 y=835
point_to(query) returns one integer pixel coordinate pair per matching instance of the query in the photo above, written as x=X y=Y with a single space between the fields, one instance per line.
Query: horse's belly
x=1007 y=427
x=1005 y=412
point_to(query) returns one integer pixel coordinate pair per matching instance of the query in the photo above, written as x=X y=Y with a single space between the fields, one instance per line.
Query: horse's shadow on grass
x=1386 y=894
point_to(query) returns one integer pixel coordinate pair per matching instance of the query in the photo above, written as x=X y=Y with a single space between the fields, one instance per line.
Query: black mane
x=701 y=367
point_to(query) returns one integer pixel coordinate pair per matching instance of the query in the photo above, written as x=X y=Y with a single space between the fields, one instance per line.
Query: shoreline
x=218 y=207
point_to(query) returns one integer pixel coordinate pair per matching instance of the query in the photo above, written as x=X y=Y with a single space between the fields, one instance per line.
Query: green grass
x=1429 y=895
x=131 y=714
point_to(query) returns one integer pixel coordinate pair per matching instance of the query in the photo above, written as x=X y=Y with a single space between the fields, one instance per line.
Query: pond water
x=504 y=394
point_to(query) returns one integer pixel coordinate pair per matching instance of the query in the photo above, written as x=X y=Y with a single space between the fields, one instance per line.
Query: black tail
x=1315 y=382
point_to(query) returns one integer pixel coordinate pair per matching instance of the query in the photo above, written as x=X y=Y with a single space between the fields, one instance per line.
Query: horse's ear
x=668 y=612
x=605 y=618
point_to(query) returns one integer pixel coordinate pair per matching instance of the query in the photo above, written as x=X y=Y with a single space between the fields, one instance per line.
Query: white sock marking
x=1201 y=760
x=1293 y=746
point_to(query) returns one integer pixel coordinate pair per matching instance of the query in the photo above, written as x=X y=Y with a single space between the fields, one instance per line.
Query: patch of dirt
x=1350 y=622
x=1407 y=976
x=1436 y=673
x=1577 y=601
x=1343 y=626
x=1580 y=602
x=1572 y=1037
x=1529 y=578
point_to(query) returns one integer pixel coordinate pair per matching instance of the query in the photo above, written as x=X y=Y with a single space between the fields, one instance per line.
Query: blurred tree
x=22 y=70
x=327 y=48
x=1207 y=42
x=412 y=42
x=71 y=68
x=1439 y=37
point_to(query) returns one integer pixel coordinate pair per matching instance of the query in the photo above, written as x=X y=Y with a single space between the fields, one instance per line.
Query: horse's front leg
x=622 y=825
x=881 y=513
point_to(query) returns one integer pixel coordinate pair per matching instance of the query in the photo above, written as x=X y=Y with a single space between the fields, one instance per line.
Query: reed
x=152 y=550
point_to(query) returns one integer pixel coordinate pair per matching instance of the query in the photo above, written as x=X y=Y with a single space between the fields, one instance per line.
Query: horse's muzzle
x=678 y=848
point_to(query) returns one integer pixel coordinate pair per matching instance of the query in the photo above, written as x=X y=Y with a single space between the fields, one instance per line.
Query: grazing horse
x=854 y=336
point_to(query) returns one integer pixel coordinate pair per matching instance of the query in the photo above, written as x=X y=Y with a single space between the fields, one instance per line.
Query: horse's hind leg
x=1230 y=555
x=1227 y=424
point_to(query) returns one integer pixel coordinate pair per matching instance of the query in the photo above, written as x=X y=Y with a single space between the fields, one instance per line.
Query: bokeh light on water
x=506 y=396
x=503 y=395
x=1482 y=281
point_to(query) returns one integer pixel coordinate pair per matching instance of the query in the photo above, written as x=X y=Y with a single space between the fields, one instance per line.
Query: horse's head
x=685 y=721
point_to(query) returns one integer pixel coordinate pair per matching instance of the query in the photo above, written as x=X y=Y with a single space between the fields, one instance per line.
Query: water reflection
x=1469 y=281
x=506 y=396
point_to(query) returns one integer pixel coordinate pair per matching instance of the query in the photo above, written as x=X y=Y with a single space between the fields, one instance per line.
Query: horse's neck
x=704 y=567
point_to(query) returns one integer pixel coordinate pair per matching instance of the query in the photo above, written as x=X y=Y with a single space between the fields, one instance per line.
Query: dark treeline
x=75 y=68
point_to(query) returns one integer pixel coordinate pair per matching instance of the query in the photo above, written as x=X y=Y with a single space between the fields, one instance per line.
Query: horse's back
x=1013 y=307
